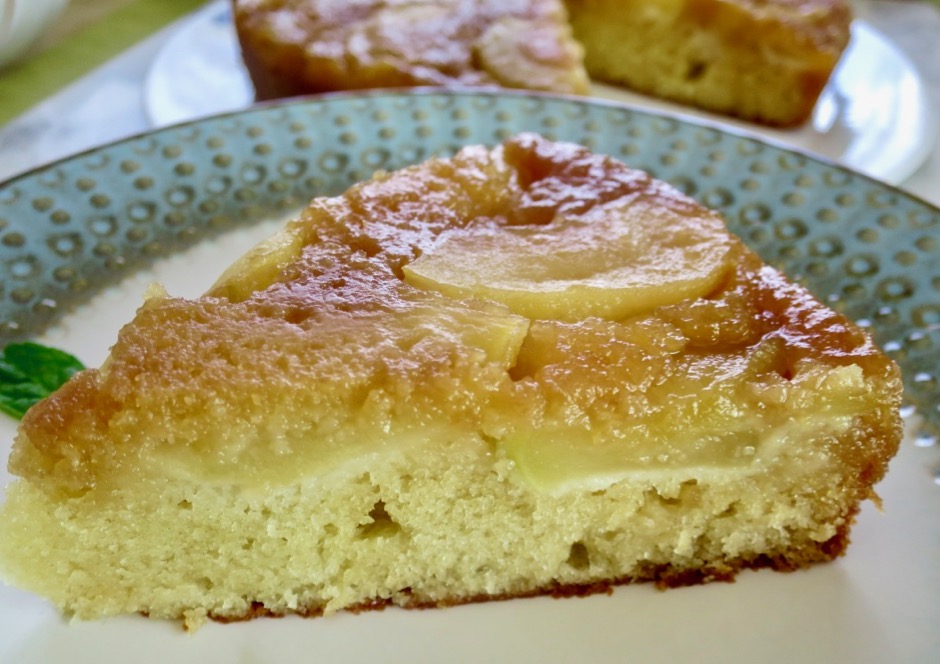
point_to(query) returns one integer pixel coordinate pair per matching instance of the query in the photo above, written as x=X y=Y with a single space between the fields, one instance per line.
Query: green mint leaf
x=30 y=372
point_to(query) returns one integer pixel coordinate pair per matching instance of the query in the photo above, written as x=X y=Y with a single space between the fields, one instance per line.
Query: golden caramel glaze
x=326 y=353
x=294 y=47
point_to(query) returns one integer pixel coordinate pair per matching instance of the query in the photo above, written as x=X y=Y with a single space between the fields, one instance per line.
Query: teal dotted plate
x=69 y=229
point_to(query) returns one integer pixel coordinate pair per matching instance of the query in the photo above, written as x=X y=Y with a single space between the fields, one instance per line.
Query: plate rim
x=428 y=91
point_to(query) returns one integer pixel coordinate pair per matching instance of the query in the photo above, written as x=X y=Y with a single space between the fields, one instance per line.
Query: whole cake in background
x=526 y=369
x=761 y=60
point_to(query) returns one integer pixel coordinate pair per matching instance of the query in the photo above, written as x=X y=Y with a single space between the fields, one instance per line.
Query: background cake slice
x=761 y=60
x=356 y=415
x=294 y=47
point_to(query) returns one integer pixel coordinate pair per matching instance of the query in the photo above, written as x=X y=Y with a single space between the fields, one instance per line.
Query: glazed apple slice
x=619 y=260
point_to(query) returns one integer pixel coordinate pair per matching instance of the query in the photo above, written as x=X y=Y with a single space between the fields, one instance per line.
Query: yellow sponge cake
x=526 y=369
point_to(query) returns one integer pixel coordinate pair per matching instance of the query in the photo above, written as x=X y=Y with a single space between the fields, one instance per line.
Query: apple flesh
x=618 y=260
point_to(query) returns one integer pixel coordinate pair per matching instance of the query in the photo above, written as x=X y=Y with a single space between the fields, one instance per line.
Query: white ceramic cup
x=21 y=23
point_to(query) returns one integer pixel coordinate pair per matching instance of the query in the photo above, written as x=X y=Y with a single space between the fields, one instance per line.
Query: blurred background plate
x=874 y=116
x=81 y=239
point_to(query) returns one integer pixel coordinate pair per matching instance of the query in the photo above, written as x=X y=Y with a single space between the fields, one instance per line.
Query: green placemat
x=28 y=83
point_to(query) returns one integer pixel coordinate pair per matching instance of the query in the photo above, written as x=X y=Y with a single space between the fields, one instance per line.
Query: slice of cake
x=522 y=370
x=761 y=60
x=295 y=47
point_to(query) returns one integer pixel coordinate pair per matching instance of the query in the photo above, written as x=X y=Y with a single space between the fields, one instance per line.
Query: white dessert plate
x=77 y=245
x=874 y=116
